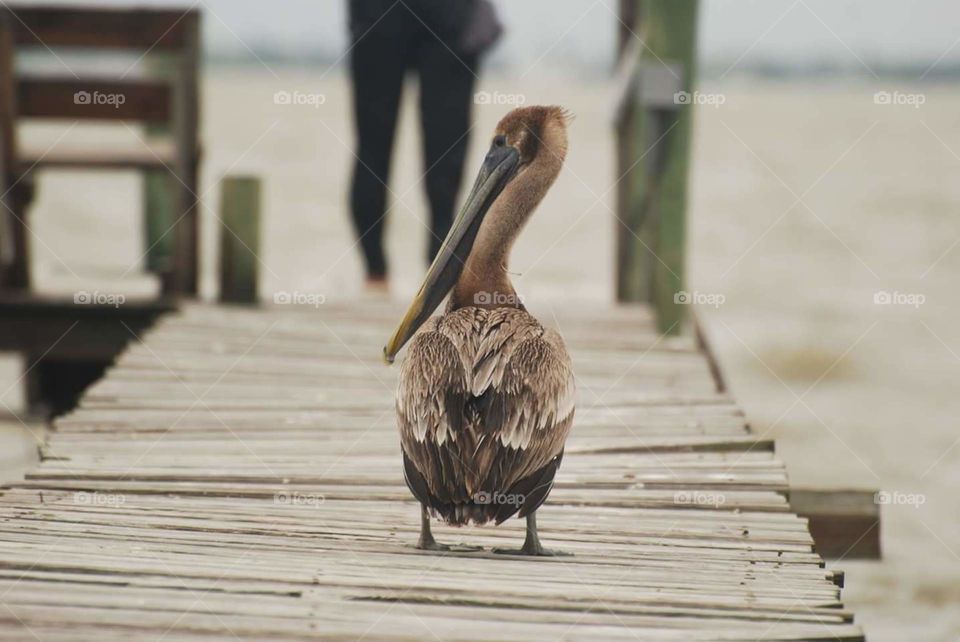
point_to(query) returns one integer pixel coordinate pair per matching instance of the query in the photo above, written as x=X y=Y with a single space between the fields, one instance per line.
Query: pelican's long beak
x=498 y=168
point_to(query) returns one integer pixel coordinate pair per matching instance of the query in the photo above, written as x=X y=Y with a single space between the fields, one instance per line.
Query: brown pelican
x=486 y=394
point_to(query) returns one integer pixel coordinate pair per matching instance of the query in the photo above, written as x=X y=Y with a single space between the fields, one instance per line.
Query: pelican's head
x=526 y=138
x=538 y=133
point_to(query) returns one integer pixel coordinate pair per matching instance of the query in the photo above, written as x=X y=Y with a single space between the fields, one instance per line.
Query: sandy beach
x=810 y=201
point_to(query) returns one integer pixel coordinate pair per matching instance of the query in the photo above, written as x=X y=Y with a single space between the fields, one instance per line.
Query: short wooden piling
x=239 y=239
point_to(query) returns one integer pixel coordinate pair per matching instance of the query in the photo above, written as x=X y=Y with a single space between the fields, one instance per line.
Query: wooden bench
x=168 y=106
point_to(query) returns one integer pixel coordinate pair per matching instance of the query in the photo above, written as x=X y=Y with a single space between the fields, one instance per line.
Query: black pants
x=389 y=39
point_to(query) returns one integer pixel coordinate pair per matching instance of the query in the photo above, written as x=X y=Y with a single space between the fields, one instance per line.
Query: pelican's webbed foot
x=432 y=545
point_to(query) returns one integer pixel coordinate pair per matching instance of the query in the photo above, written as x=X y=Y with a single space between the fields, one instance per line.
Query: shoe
x=377 y=287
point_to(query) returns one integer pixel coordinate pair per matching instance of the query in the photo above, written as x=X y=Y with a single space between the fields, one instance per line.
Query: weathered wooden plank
x=224 y=480
x=156 y=156
x=92 y=98
x=846 y=524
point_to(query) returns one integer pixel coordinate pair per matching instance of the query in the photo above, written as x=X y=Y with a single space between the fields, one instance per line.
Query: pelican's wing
x=525 y=391
x=431 y=397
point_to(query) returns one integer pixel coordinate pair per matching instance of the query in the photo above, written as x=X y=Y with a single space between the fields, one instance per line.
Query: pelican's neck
x=485 y=280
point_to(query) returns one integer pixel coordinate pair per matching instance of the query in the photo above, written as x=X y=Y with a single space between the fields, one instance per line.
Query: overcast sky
x=582 y=32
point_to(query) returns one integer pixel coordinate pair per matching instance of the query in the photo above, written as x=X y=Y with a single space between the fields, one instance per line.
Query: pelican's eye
x=499 y=141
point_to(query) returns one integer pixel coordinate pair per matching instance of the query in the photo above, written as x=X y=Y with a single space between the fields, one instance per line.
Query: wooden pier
x=237 y=475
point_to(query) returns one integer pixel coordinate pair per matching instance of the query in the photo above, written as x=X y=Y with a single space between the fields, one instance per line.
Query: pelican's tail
x=485 y=506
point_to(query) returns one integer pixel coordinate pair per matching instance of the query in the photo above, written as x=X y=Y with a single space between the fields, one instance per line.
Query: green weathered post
x=239 y=239
x=651 y=242
x=159 y=193
x=159 y=210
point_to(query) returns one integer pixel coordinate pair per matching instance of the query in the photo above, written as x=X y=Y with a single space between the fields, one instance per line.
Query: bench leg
x=16 y=275
x=159 y=208
x=184 y=281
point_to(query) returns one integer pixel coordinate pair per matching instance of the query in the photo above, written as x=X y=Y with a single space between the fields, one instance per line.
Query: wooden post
x=159 y=214
x=650 y=244
x=6 y=228
x=159 y=191
x=6 y=210
x=239 y=239
x=7 y=96
x=627 y=60
x=186 y=268
x=14 y=259
x=627 y=25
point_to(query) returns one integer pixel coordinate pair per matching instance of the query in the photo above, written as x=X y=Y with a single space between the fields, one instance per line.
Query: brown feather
x=486 y=401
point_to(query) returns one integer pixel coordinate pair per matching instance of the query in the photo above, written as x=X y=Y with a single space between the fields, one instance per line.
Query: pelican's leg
x=531 y=545
x=427 y=543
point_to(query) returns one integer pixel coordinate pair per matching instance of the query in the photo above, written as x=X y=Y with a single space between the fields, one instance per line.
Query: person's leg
x=446 y=98
x=377 y=63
